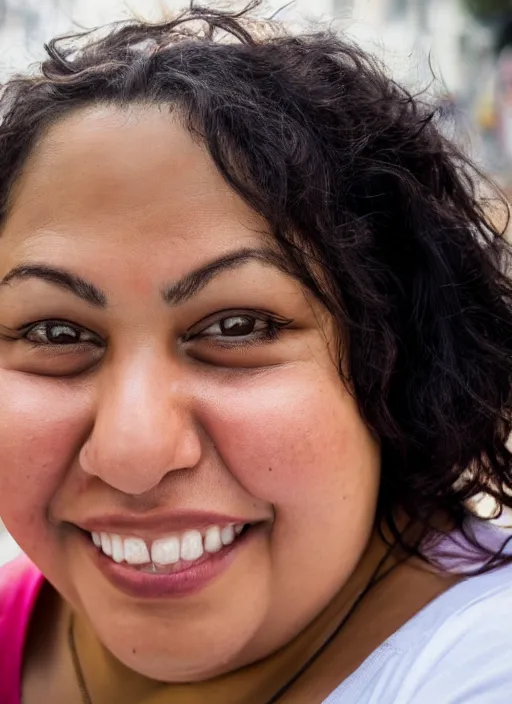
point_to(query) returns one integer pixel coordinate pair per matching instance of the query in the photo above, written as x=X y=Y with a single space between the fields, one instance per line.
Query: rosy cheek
x=42 y=423
x=284 y=436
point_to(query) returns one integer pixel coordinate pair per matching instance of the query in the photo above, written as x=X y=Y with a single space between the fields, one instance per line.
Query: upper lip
x=158 y=524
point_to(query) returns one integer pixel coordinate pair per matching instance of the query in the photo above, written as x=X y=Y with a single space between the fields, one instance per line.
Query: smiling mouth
x=170 y=553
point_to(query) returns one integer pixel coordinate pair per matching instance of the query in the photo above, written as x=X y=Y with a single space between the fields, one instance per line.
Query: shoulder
x=20 y=584
x=459 y=648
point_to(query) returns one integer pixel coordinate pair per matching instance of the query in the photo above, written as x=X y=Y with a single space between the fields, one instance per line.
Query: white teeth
x=106 y=545
x=117 y=548
x=96 y=539
x=227 y=535
x=166 y=551
x=191 y=545
x=169 y=550
x=136 y=551
x=212 y=541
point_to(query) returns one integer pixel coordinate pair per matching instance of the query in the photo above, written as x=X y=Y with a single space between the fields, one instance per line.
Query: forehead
x=122 y=174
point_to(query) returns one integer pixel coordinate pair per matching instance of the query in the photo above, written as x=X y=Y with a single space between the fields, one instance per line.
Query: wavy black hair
x=380 y=216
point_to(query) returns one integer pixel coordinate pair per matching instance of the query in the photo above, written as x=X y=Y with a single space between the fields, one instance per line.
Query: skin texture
x=147 y=421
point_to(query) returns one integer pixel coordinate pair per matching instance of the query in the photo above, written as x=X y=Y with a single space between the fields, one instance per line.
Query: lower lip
x=147 y=585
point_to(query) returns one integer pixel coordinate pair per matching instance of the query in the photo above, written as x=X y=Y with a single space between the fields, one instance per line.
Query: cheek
x=296 y=440
x=42 y=423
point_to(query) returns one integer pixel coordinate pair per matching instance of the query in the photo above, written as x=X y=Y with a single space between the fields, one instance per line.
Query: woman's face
x=171 y=381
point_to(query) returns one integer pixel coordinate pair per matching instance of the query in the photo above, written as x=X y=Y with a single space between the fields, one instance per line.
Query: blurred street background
x=459 y=51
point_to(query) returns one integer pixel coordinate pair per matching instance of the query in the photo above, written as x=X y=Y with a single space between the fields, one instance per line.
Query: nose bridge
x=143 y=427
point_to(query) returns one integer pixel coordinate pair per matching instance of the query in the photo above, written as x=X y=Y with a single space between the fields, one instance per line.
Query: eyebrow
x=65 y=279
x=192 y=283
x=174 y=294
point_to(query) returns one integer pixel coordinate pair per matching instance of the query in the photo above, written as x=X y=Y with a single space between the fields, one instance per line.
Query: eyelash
x=271 y=331
x=272 y=328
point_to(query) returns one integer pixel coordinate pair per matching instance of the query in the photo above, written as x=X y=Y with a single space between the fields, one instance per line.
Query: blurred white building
x=25 y=25
x=8 y=548
x=415 y=37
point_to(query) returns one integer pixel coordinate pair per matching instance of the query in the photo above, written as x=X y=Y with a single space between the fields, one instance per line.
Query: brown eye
x=240 y=326
x=237 y=325
x=238 y=329
x=59 y=333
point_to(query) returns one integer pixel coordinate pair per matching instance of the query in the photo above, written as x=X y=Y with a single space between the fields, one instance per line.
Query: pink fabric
x=20 y=584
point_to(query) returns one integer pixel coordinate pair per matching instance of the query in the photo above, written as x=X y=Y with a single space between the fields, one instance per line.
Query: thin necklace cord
x=79 y=673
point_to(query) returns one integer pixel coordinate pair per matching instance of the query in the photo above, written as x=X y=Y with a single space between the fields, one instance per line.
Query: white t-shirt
x=456 y=650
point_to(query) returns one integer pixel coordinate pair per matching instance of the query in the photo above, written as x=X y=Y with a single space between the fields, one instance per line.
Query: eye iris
x=63 y=334
x=237 y=325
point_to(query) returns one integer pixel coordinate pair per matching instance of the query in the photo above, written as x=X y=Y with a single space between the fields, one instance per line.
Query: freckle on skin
x=270 y=469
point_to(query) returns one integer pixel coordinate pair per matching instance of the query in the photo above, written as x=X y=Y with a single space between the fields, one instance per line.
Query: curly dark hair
x=379 y=215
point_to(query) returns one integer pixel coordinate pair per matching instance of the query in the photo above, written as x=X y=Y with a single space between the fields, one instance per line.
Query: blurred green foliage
x=489 y=9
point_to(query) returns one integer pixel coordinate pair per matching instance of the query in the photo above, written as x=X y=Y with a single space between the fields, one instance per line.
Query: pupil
x=62 y=334
x=237 y=326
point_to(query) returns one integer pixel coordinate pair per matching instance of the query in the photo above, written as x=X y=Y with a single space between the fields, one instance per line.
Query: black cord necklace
x=79 y=673
x=374 y=580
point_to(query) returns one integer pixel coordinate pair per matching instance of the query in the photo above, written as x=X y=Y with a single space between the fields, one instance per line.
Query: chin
x=172 y=667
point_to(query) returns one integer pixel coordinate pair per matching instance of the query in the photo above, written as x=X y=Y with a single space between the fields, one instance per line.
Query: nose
x=143 y=428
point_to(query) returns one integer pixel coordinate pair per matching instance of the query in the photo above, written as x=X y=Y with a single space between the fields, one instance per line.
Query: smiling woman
x=255 y=359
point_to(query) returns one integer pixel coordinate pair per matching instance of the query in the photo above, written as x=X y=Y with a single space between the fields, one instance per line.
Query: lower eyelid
x=75 y=348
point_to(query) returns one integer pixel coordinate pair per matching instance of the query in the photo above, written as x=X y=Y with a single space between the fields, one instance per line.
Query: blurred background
x=460 y=51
